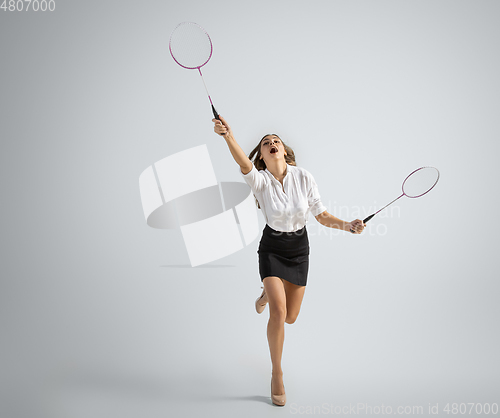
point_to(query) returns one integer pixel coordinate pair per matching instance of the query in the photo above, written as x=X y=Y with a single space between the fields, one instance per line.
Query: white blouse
x=285 y=208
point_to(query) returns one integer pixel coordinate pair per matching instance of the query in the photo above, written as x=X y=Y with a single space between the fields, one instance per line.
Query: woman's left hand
x=356 y=226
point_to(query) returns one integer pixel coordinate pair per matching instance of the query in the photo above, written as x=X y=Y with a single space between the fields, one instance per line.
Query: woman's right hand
x=221 y=127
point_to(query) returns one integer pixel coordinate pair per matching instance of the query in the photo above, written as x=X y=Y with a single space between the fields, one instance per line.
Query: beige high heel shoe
x=261 y=302
x=279 y=400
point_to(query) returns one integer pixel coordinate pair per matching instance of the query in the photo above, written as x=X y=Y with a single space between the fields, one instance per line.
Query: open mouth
x=274 y=150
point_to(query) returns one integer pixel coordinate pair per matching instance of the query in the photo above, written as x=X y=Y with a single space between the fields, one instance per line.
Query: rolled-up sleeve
x=254 y=179
x=314 y=199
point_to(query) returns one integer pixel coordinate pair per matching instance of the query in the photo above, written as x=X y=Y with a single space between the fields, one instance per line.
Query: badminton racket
x=416 y=184
x=191 y=48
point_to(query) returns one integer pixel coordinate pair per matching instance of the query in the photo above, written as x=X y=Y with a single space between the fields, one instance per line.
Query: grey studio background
x=102 y=316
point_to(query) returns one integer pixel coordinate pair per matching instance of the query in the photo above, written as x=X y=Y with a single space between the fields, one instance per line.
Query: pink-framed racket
x=191 y=48
x=418 y=183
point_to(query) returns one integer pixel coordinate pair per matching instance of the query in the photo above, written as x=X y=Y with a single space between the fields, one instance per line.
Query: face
x=271 y=148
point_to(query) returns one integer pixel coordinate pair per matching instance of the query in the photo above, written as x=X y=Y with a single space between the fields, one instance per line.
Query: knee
x=290 y=319
x=278 y=313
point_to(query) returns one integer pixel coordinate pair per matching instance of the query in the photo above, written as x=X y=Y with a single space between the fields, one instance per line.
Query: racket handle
x=216 y=115
x=367 y=219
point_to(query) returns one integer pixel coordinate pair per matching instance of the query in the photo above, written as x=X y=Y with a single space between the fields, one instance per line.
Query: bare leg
x=294 y=295
x=276 y=295
x=285 y=299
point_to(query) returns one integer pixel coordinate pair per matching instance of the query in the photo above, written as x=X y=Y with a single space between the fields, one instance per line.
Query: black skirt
x=285 y=255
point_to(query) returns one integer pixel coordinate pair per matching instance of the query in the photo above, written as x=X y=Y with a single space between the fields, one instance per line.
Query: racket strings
x=420 y=182
x=190 y=45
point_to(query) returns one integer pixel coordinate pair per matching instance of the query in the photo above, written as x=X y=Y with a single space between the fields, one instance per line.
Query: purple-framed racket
x=416 y=184
x=191 y=48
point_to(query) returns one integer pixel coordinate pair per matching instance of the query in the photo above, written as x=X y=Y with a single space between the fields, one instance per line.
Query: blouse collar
x=274 y=178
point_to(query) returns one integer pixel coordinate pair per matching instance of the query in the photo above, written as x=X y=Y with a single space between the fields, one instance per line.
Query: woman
x=286 y=194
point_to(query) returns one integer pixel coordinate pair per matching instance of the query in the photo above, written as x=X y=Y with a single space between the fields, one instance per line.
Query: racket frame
x=216 y=115
x=403 y=190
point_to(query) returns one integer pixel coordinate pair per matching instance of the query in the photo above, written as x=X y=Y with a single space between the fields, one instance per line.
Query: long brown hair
x=260 y=164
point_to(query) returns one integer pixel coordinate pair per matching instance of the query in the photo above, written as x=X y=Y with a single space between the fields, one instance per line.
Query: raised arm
x=223 y=129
